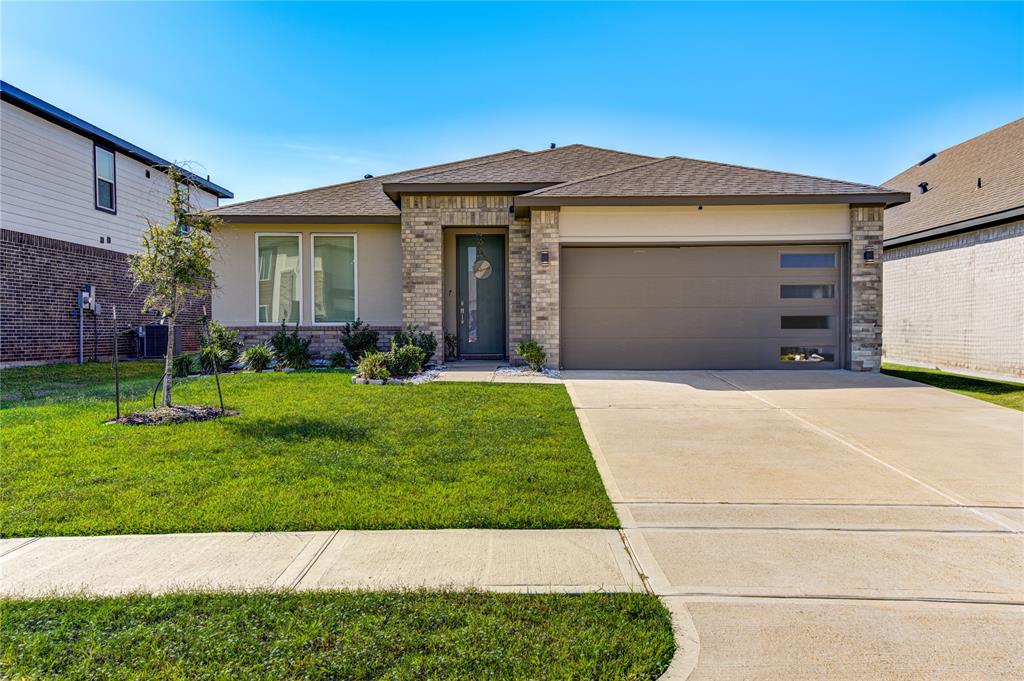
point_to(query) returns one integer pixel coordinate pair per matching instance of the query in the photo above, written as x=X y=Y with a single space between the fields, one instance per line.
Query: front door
x=481 y=287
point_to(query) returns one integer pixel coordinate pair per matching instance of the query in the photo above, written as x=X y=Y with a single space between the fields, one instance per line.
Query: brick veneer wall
x=544 y=296
x=423 y=219
x=865 y=289
x=39 y=283
x=519 y=273
x=326 y=339
x=958 y=302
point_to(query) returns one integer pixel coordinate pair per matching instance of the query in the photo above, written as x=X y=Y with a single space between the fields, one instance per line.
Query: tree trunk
x=169 y=364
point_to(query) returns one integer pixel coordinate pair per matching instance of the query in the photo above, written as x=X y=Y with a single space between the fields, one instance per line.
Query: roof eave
x=956 y=227
x=47 y=111
x=396 y=189
x=311 y=219
x=872 y=199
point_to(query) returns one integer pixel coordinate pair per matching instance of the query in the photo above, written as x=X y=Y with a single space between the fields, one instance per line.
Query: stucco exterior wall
x=680 y=224
x=958 y=302
x=378 y=271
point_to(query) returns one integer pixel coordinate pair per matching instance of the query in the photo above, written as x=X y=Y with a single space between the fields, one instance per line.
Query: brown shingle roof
x=358 y=198
x=953 y=194
x=674 y=176
x=560 y=164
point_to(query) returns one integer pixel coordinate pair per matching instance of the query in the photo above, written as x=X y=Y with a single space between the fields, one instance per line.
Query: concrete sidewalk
x=495 y=560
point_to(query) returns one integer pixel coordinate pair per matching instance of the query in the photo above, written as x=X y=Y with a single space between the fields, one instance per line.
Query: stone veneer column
x=865 y=289
x=422 y=262
x=544 y=301
x=519 y=274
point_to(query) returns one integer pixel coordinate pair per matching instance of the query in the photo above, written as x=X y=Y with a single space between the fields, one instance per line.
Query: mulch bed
x=175 y=414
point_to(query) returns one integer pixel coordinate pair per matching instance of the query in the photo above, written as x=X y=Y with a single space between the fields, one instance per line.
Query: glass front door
x=481 y=288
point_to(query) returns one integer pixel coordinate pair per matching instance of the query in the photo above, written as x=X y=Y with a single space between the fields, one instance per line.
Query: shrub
x=183 y=365
x=412 y=335
x=533 y=353
x=359 y=339
x=339 y=359
x=226 y=343
x=373 y=367
x=290 y=349
x=257 y=358
x=451 y=345
x=404 y=360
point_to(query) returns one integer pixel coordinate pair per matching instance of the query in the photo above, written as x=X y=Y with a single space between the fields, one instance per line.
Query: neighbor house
x=74 y=200
x=610 y=260
x=954 y=258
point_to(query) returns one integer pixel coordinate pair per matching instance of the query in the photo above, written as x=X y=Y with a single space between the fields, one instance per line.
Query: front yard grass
x=335 y=635
x=61 y=382
x=1004 y=394
x=309 y=451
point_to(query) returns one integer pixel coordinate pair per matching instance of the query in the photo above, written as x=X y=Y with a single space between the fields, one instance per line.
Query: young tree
x=176 y=261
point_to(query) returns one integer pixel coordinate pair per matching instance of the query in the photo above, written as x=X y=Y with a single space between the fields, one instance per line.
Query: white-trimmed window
x=278 y=278
x=106 y=182
x=334 y=278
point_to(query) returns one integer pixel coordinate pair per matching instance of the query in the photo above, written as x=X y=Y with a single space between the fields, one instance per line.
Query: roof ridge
x=378 y=178
x=652 y=161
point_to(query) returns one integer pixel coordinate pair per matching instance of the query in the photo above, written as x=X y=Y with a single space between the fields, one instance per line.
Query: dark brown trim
x=312 y=219
x=96 y=179
x=874 y=199
x=990 y=220
x=394 y=189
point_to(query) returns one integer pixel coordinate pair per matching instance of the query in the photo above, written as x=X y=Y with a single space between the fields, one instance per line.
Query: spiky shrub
x=404 y=360
x=221 y=345
x=413 y=335
x=359 y=339
x=339 y=359
x=532 y=353
x=257 y=357
x=373 y=367
x=290 y=349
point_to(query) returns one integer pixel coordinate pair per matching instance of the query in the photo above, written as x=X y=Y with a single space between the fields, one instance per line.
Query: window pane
x=334 y=278
x=805 y=322
x=807 y=291
x=279 y=291
x=104 y=164
x=808 y=260
x=807 y=354
x=104 y=194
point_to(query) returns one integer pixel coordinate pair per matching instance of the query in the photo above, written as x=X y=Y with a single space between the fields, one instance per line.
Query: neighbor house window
x=279 y=278
x=106 y=189
x=807 y=260
x=807 y=291
x=334 y=278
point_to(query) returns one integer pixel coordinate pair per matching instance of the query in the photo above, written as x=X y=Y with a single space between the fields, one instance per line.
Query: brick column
x=544 y=303
x=519 y=273
x=422 y=262
x=865 y=289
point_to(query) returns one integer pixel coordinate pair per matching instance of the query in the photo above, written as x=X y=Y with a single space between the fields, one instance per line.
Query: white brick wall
x=958 y=302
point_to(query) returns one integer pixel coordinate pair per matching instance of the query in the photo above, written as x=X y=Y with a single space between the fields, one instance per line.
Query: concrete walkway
x=486 y=371
x=811 y=525
x=496 y=560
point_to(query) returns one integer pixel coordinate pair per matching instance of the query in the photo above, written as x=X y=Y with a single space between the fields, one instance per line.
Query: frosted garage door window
x=788 y=260
x=334 y=279
x=278 y=279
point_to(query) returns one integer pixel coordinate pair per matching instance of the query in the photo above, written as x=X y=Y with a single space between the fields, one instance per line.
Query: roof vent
x=367 y=176
x=552 y=145
x=923 y=186
x=926 y=159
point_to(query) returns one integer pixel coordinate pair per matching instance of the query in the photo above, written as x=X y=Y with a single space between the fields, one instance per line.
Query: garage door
x=711 y=307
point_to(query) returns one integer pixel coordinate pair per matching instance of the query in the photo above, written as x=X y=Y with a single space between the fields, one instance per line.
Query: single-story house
x=954 y=258
x=610 y=260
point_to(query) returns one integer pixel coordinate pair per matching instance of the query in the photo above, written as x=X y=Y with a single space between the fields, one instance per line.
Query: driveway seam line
x=644 y=581
x=22 y=545
x=316 y=556
x=865 y=452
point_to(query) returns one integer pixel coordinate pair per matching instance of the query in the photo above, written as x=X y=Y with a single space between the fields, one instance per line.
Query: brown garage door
x=709 y=307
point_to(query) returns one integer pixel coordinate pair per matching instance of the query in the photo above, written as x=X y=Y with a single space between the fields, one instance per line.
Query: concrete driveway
x=818 y=525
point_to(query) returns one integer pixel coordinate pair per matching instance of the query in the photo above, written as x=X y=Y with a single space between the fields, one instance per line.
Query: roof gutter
x=395 y=189
x=47 y=111
x=989 y=220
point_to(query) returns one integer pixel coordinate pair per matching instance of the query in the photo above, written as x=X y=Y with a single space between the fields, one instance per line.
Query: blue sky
x=269 y=98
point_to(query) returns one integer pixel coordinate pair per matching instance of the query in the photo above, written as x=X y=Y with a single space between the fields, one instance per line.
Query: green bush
x=412 y=335
x=290 y=349
x=257 y=357
x=404 y=360
x=373 y=367
x=186 y=364
x=359 y=339
x=227 y=342
x=532 y=353
x=339 y=359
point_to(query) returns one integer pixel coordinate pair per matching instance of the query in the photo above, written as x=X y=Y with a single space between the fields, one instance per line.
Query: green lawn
x=337 y=635
x=62 y=382
x=1004 y=394
x=309 y=451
